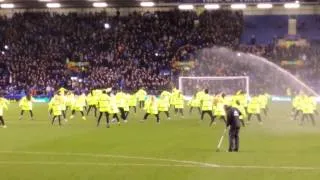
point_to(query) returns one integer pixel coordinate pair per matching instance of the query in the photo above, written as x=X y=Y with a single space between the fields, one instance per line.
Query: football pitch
x=180 y=148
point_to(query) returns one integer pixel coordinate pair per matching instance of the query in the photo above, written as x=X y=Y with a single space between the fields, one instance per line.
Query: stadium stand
x=264 y=28
x=42 y=51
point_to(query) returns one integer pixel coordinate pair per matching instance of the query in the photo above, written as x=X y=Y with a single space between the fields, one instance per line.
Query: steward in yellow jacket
x=3 y=106
x=151 y=108
x=92 y=102
x=26 y=105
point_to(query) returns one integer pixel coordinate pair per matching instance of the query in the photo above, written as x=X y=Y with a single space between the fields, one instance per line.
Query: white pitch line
x=269 y=167
x=93 y=164
x=147 y=165
x=184 y=163
x=110 y=156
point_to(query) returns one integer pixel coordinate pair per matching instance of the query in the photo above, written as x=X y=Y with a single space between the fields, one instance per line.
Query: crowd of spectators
x=134 y=52
x=127 y=52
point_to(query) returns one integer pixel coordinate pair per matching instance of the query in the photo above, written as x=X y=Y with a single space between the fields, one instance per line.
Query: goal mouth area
x=226 y=84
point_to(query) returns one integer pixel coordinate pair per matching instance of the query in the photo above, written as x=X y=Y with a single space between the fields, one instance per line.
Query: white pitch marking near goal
x=184 y=163
x=216 y=78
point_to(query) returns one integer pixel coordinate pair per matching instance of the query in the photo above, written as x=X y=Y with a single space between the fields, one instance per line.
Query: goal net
x=215 y=84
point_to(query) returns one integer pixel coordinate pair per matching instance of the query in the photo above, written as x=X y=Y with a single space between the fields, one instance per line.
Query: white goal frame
x=219 y=78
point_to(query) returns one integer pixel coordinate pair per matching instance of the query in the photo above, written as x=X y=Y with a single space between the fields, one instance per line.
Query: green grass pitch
x=175 y=149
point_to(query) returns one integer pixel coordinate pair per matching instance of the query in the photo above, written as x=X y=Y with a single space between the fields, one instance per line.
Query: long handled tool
x=221 y=140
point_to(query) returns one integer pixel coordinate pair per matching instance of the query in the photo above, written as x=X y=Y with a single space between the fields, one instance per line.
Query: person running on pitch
x=133 y=102
x=254 y=108
x=92 y=101
x=113 y=108
x=163 y=105
x=104 y=107
x=179 y=104
x=194 y=103
x=79 y=106
x=297 y=104
x=242 y=109
x=219 y=112
x=307 y=110
x=141 y=94
x=26 y=105
x=122 y=103
x=151 y=107
x=69 y=100
x=55 y=109
x=3 y=106
x=206 y=104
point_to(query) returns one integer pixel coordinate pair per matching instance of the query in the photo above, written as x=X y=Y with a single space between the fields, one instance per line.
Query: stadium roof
x=128 y=3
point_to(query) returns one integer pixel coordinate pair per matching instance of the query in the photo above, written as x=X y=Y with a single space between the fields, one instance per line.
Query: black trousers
x=141 y=104
x=207 y=112
x=234 y=139
x=100 y=116
x=305 y=116
x=94 y=108
x=115 y=116
x=156 y=115
x=2 y=121
x=74 y=111
x=123 y=113
x=221 y=117
x=191 y=108
x=265 y=111
x=258 y=116
x=64 y=114
x=296 y=114
x=166 y=112
x=30 y=111
x=54 y=118
x=176 y=110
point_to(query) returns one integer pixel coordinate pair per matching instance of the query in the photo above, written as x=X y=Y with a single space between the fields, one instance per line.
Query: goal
x=189 y=85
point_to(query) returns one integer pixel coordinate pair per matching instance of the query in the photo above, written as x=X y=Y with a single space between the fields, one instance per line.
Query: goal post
x=189 y=85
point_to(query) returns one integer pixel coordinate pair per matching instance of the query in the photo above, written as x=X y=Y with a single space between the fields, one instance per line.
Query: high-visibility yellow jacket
x=254 y=105
x=3 y=105
x=26 y=104
x=206 y=102
x=92 y=99
x=179 y=102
